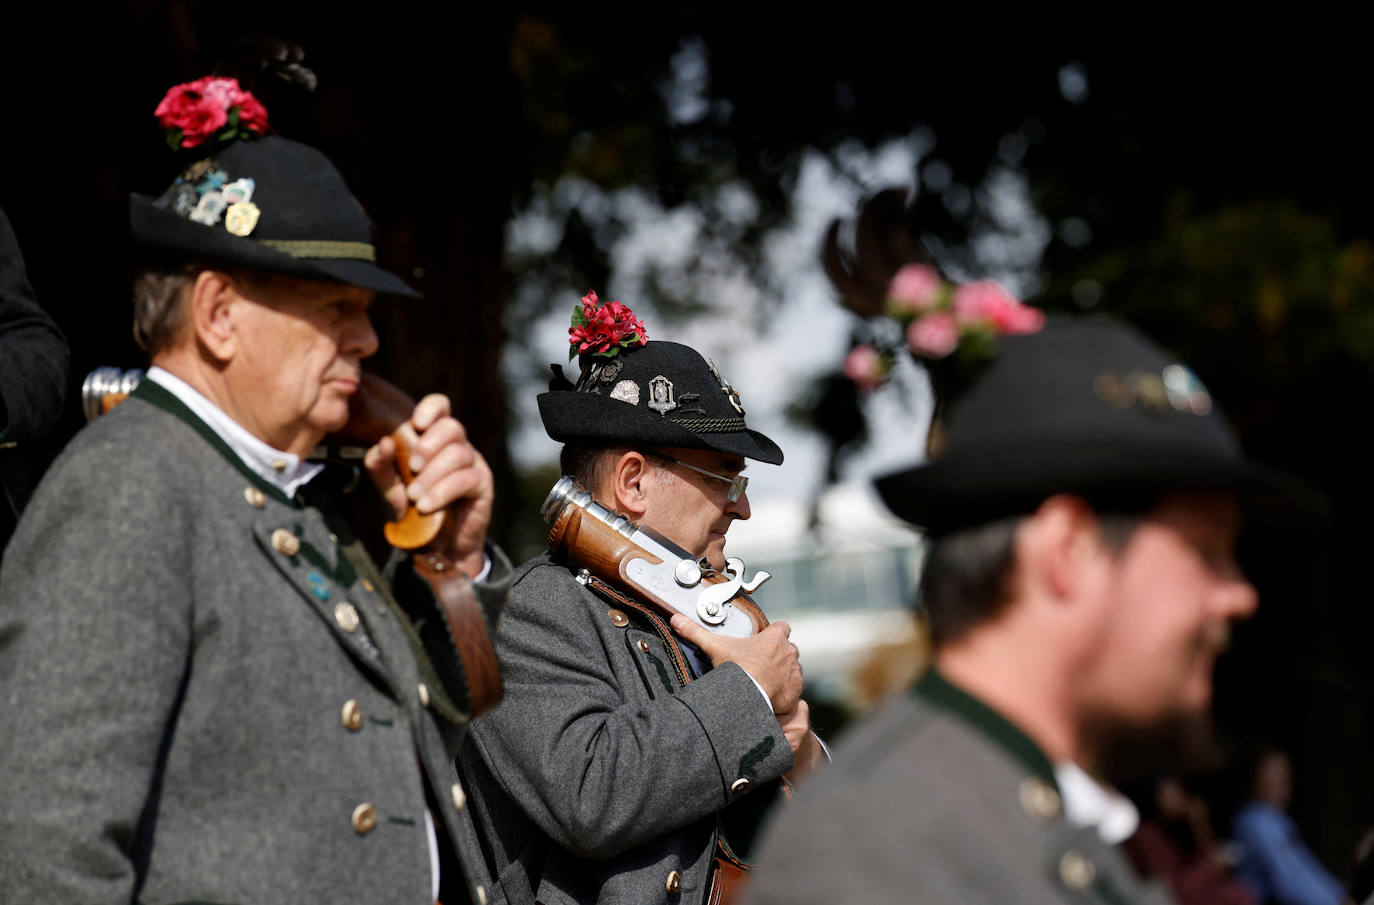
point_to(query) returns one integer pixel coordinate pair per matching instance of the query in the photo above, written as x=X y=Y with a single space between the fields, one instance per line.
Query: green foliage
x=1264 y=299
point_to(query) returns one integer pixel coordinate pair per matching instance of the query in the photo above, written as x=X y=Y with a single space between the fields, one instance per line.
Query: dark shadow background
x=1223 y=180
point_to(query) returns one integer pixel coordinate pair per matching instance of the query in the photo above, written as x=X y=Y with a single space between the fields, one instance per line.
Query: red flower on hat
x=193 y=112
x=604 y=330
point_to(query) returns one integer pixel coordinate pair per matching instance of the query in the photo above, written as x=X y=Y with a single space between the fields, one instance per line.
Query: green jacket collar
x=149 y=391
x=939 y=691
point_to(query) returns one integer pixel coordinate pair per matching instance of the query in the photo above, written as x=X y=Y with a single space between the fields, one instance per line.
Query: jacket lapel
x=296 y=542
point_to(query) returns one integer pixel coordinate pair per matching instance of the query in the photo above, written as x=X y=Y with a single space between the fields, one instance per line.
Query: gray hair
x=589 y=466
x=159 y=312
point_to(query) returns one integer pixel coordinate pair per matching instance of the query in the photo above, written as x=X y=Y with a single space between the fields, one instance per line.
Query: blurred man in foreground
x=1079 y=582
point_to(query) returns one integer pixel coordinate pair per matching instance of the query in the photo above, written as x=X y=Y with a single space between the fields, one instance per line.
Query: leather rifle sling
x=467 y=629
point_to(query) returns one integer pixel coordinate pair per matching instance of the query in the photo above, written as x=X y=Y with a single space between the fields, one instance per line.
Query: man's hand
x=447 y=472
x=807 y=753
x=768 y=657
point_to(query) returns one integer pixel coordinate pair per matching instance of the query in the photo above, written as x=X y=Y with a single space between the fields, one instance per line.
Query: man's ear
x=630 y=485
x=1058 y=545
x=211 y=308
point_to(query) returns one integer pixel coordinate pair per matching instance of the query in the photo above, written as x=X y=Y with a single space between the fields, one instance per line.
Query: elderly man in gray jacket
x=209 y=692
x=634 y=751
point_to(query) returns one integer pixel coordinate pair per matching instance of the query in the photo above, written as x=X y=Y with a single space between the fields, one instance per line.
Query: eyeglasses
x=738 y=483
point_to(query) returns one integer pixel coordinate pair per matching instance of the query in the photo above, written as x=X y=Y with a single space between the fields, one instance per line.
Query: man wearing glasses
x=610 y=773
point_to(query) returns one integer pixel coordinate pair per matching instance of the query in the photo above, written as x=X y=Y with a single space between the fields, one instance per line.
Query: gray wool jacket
x=607 y=775
x=938 y=800
x=208 y=693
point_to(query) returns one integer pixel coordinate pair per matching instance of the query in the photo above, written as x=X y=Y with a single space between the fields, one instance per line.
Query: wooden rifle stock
x=589 y=541
x=595 y=546
x=378 y=410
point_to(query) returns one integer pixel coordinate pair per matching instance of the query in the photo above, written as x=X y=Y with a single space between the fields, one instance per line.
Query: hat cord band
x=712 y=425
x=323 y=248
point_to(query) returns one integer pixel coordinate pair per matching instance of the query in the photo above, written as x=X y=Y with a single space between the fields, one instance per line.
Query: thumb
x=689 y=631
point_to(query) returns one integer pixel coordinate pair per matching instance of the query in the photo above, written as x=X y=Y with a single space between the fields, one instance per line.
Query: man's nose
x=740 y=507
x=360 y=340
x=1239 y=599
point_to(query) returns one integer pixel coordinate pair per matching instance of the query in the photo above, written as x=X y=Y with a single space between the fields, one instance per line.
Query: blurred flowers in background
x=936 y=320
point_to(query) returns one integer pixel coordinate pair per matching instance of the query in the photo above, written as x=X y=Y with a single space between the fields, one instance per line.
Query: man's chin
x=327 y=420
x=1183 y=741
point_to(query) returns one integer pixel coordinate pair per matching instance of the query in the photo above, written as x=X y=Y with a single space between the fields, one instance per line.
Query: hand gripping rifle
x=377 y=410
x=646 y=565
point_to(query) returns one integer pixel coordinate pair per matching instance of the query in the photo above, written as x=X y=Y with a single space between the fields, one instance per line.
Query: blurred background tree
x=1211 y=188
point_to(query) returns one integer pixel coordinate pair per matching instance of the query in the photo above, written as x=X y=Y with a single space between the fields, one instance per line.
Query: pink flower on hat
x=915 y=289
x=986 y=303
x=934 y=335
x=865 y=367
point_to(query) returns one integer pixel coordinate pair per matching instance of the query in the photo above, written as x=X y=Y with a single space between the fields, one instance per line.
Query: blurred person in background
x=1177 y=843
x=33 y=375
x=1274 y=862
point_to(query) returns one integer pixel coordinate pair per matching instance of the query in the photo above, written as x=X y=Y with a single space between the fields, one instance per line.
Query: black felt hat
x=269 y=204
x=658 y=394
x=1086 y=407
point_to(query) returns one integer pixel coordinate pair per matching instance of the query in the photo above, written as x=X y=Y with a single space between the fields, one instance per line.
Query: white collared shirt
x=286 y=471
x=1088 y=803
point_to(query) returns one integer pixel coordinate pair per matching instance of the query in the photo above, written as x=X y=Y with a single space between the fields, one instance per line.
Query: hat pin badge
x=730 y=392
x=661 y=395
x=1186 y=393
x=241 y=217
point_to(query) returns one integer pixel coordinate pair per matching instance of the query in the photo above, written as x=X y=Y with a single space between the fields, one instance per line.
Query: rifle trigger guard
x=711 y=602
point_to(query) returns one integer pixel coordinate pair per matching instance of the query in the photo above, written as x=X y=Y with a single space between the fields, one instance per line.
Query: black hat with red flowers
x=255 y=200
x=641 y=393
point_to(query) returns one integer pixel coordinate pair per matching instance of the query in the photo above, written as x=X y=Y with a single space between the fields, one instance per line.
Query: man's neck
x=1019 y=682
x=281 y=469
x=212 y=382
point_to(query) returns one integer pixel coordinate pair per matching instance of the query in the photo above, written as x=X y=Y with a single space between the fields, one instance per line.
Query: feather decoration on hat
x=253 y=55
x=862 y=255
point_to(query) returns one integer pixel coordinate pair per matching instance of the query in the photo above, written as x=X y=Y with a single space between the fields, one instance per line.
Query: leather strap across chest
x=656 y=616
